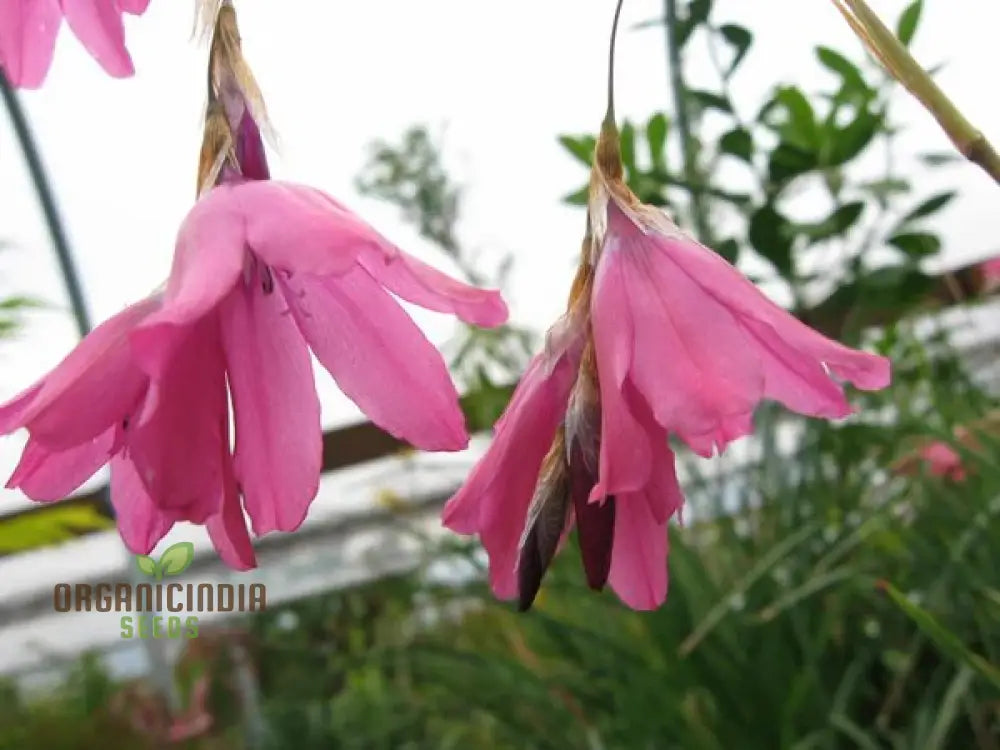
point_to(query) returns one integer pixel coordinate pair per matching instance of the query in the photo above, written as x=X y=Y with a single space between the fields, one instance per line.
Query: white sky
x=506 y=79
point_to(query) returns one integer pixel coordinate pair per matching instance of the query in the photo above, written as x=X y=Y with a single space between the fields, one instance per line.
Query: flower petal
x=12 y=413
x=732 y=289
x=297 y=228
x=379 y=357
x=141 y=523
x=177 y=440
x=28 y=30
x=278 y=433
x=48 y=476
x=228 y=529
x=625 y=461
x=98 y=25
x=209 y=259
x=639 y=556
x=690 y=358
x=134 y=7
x=495 y=497
x=416 y=282
x=93 y=388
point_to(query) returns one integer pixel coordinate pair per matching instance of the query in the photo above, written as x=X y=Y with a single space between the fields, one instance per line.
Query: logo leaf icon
x=176 y=559
x=146 y=564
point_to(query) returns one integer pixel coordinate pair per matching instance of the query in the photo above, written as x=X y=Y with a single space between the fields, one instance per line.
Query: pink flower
x=97 y=407
x=263 y=272
x=666 y=339
x=990 y=270
x=28 y=31
x=943 y=461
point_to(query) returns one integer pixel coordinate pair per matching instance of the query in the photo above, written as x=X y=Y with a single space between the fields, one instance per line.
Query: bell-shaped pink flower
x=671 y=341
x=263 y=272
x=28 y=30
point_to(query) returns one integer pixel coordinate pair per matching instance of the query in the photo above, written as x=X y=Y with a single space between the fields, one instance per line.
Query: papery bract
x=28 y=30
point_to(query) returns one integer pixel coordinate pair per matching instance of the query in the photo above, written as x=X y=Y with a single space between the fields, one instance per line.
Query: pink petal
x=626 y=461
x=134 y=7
x=379 y=357
x=28 y=30
x=12 y=413
x=141 y=523
x=278 y=434
x=732 y=289
x=47 y=476
x=98 y=25
x=423 y=285
x=708 y=346
x=296 y=228
x=689 y=357
x=639 y=556
x=93 y=388
x=495 y=497
x=228 y=529
x=209 y=260
x=177 y=441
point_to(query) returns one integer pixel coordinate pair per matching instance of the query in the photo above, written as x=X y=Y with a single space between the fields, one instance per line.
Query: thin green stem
x=609 y=117
x=969 y=141
x=698 y=211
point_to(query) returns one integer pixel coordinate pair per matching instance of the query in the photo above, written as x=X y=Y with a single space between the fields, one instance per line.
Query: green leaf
x=709 y=100
x=800 y=123
x=850 y=76
x=846 y=143
x=739 y=143
x=176 y=558
x=146 y=564
x=943 y=638
x=884 y=189
x=581 y=148
x=788 y=161
x=656 y=135
x=908 y=22
x=627 y=142
x=916 y=244
x=837 y=223
x=769 y=234
x=578 y=197
x=930 y=206
x=740 y=39
x=938 y=159
x=728 y=249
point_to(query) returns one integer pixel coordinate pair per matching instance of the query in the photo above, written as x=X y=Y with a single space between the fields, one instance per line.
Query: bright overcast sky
x=505 y=78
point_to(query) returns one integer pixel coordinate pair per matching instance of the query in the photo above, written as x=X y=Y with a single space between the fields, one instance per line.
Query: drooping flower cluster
x=264 y=271
x=28 y=30
x=665 y=339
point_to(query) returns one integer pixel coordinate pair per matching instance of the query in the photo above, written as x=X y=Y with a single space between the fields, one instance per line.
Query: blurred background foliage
x=820 y=599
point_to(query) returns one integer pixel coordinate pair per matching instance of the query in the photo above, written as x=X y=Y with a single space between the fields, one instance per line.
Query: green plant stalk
x=969 y=141
x=679 y=90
